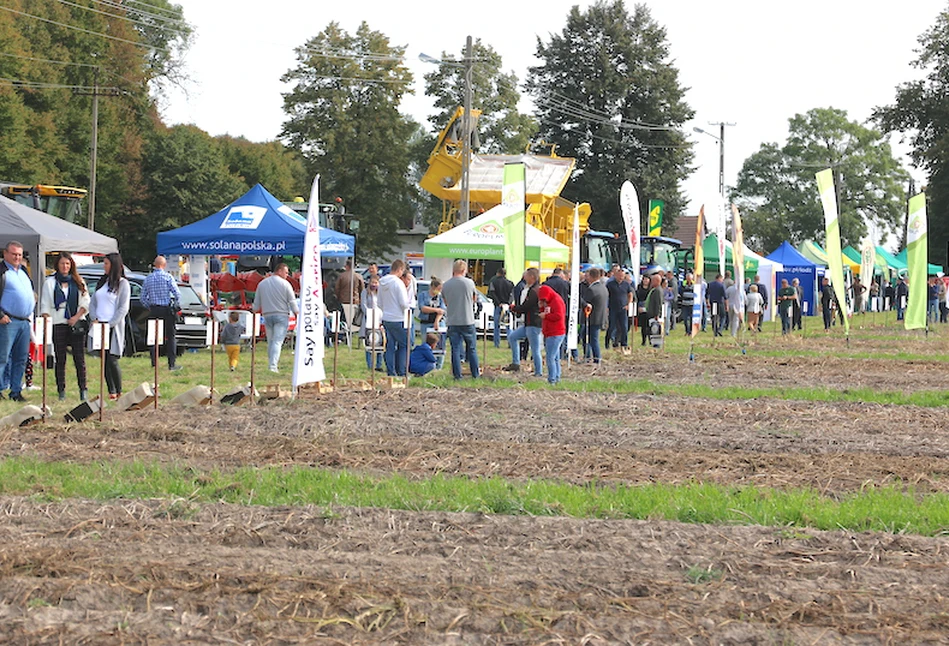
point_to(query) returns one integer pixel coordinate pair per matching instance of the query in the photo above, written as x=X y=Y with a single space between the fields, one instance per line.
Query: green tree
x=919 y=112
x=502 y=129
x=52 y=69
x=608 y=95
x=343 y=117
x=777 y=192
x=270 y=163
x=187 y=178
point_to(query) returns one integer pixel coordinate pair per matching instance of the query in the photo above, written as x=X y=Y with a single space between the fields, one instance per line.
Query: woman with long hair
x=65 y=300
x=110 y=304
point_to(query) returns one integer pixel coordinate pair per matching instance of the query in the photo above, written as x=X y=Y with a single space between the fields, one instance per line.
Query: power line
x=170 y=13
x=573 y=108
x=115 y=15
x=349 y=55
x=52 y=62
x=46 y=60
x=118 y=5
x=86 y=31
x=45 y=86
x=362 y=79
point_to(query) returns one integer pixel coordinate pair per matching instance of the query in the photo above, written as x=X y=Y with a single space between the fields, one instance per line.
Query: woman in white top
x=110 y=304
x=65 y=300
x=753 y=306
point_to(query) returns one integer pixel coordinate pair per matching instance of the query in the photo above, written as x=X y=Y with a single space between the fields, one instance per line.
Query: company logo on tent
x=489 y=228
x=244 y=217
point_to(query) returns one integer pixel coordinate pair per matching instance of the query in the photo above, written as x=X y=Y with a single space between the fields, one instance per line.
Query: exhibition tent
x=762 y=267
x=899 y=266
x=816 y=254
x=482 y=238
x=932 y=270
x=41 y=233
x=797 y=266
x=256 y=223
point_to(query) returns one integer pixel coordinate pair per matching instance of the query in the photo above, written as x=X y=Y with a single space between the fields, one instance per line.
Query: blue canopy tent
x=256 y=223
x=797 y=266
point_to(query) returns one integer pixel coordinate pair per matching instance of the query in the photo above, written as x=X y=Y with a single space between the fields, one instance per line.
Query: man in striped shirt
x=161 y=296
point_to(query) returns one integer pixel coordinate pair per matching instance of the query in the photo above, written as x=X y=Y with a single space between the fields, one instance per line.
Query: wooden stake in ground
x=212 y=340
x=156 y=328
x=408 y=343
x=334 y=326
x=45 y=342
x=255 y=331
x=103 y=346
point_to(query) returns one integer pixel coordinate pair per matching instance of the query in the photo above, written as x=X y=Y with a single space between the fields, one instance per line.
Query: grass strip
x=889 y=509
x=923 y=398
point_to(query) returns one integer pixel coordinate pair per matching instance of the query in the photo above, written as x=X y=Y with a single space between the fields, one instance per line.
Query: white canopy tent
x=482 y=238
x=41 y=233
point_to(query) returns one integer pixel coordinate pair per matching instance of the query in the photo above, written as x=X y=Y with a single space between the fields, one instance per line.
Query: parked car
x=190 y=329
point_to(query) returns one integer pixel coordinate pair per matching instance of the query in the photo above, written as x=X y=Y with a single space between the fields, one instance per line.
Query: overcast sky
x=749 y=62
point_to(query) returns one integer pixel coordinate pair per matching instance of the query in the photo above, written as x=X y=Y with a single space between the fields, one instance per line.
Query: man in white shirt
x=394 y=302
x=275 y=300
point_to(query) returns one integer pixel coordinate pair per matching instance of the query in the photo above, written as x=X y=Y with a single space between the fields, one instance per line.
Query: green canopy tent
x=896 y=265
x=710 y=252
x=879 y=264
x=482 y=238
x=932 y=270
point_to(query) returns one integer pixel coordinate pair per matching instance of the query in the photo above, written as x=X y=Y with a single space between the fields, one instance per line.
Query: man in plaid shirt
x=161 y=296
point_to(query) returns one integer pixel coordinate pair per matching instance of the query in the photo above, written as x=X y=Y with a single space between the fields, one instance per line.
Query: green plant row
x=924 y=398
x=877 y=509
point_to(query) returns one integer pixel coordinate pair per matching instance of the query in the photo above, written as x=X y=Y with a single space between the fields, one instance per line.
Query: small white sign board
x=38 y=329
x=156 y=330
x=100 y=333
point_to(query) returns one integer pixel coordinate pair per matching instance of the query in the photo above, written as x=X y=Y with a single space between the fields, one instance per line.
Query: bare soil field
x=164 y=571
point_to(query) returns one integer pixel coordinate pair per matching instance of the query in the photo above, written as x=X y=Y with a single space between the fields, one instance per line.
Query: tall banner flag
x=828 y=198
x=699 y=266
x=720 y=227
x=308 y=357
x=868 y=254
x=738 y=248
x=917 y=259
x=656 y=210
x=514 y=193
x=574 y=283
x=629 y=205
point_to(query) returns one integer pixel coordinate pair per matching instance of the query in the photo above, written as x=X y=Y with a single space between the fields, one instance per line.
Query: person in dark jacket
x=595 y=308
x=620 y=297
x=642 y=318
x=531 y=330
x=715 y=295
x=422 y=359
x=500 y=290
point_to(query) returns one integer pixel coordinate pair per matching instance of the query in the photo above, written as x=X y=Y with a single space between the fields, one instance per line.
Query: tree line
x=606 y=92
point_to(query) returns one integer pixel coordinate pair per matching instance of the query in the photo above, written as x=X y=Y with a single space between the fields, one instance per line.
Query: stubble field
x=190 y=570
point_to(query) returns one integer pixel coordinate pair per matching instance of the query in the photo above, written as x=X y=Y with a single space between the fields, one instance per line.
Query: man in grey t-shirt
x=459 y=295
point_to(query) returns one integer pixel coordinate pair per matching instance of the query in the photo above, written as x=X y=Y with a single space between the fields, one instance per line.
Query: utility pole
x=95 y=93
x=95 y=150
x=466 y=142
x=721 y=154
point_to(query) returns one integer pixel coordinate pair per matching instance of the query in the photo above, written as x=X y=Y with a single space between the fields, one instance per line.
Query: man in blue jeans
x=275 y=300
x=394 y=302
x=459 y=296
x=531 y=330
x=16 y=307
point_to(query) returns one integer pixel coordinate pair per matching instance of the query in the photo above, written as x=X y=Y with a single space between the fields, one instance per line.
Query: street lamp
x=466 y=65
x=720 y=138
